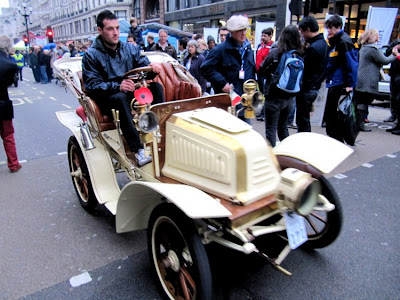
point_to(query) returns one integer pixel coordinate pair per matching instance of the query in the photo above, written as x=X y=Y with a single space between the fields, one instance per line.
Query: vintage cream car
x=212 y=179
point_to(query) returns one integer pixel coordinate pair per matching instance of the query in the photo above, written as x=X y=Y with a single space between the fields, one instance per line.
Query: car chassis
x=212 y=179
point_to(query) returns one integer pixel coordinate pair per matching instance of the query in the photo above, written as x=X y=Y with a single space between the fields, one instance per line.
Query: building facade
x=76 y=19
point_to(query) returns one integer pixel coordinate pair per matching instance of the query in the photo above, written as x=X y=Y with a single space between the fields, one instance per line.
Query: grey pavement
x=369 y=145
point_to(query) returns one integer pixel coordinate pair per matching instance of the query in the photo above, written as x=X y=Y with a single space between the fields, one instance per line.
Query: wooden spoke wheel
x=178 y=255
x=80 y=176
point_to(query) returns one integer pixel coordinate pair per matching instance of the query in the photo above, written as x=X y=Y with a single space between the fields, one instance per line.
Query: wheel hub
x=172 y=261
x=77 y=173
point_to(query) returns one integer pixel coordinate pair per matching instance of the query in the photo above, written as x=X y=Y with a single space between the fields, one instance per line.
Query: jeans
x=276 y=117
x=7 y=134
x=43 y=74
x=304 y=102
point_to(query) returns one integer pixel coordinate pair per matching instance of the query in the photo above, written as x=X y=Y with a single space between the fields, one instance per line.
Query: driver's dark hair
x=334 y=21
x=105 y=14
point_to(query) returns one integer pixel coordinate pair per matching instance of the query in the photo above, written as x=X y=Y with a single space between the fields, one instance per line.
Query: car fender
x=319 y=151
x=98 y=161
x=138 y=199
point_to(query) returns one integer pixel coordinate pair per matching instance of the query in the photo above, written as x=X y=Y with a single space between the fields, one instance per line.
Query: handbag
x=348 y=118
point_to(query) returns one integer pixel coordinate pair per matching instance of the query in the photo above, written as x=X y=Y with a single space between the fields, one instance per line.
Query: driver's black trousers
x=121 y=101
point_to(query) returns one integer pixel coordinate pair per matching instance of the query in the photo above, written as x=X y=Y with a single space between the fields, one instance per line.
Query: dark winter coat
x=169 y=49
x=103 y=69
x=394 y=71
x=34 y=59
x=371 y=60
x=8 y=69
x=137 y=34
x=197 y=60
x=342 y=62
x=42 y=58
x=222 y=66
x=315 y=62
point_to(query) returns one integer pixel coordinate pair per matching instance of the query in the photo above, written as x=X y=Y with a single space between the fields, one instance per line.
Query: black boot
x=396 y=130
x=361 y=112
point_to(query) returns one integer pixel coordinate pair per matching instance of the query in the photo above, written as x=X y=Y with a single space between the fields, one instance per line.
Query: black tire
x=172 y=237
x=80 y=176
x=324 y=227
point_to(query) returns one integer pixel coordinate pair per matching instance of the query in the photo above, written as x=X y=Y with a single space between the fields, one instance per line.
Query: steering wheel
x=140 y=73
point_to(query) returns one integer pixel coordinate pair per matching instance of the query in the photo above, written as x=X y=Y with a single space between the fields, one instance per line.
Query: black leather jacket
x=7 y=72
x=103 y=69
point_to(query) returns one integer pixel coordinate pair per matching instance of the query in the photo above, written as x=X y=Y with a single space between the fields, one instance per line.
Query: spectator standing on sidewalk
x=7 y=72
x=341 y=73
x=371 y=60
x=163 y=45
x=193 y=61
x=150 y=43
x=261 y=53
x=278 y=104
x=34 y=63
x=394 y=73
x=182 y=50
x=231 y=63
x=315 y=62
x=222 y=33
x=43 y=67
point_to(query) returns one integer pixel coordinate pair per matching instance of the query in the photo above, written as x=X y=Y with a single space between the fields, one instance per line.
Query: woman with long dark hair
x=278 y=104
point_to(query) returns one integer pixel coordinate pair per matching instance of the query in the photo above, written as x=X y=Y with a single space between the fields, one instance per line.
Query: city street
x=50 y=248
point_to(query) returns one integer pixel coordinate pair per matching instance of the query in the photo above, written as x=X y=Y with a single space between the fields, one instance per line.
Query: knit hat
x=210 y=38
x=237 y=22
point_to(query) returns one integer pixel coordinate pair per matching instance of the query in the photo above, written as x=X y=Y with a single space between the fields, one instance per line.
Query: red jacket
x=262 y=52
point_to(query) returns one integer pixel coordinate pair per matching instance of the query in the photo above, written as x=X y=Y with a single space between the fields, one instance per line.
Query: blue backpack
x=289 y=72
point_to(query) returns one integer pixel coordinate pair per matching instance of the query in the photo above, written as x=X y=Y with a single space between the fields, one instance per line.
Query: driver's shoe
x=141 y=159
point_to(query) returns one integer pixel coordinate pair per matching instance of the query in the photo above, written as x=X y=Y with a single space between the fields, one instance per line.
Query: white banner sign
x=382 y=19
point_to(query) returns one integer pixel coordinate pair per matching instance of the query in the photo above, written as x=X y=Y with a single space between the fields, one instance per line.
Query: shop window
x=152 y=9
x=121 y=14
x=136 y=9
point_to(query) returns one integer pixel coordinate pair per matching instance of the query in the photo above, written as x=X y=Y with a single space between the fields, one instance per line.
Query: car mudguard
x=319 y=151
x=101 y=169
x=138 y=199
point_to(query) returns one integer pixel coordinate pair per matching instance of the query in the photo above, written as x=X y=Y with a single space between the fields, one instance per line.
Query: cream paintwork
x=234 y=163
x=98 y=161
x=107 y=191
x=320 y=151
x=139 y=198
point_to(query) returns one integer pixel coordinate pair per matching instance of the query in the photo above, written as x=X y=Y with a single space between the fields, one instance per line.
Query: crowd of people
x=222 y=68
x=344 y=66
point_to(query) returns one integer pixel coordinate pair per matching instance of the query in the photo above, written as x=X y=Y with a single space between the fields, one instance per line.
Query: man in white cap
x=231 y=62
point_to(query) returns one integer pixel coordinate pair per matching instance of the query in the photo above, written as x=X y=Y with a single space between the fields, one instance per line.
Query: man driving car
x=104 y=66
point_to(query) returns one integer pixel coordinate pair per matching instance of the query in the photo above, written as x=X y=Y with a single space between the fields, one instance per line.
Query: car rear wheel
x=178 y=255
x=80 y=176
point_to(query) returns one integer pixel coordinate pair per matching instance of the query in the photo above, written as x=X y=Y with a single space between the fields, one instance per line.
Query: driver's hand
x=349 y=89
x=156 y=67
x=127 y=85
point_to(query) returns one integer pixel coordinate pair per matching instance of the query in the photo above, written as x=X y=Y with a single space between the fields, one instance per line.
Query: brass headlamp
x=252 y=100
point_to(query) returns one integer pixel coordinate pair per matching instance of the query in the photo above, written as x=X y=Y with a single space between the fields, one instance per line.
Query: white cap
x=236 y=23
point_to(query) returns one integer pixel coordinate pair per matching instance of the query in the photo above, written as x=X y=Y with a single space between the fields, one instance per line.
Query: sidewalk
x=369 y=145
